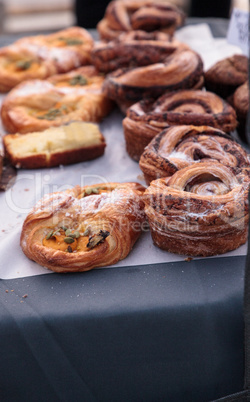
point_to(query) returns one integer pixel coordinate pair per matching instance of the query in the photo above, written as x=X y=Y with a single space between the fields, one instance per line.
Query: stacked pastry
x=140 y=53
x=39 y=104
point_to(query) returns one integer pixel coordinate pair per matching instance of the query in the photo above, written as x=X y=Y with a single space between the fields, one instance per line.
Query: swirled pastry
x=182 y=69
x=44 y=55
x=85 y=227
x=179 y=146
x=147 y=118
x=36 y=105
x=226 y=75
x=145 y=15
x=241 y=105
x=201 y=210
x=135 y=48
x=72 y=143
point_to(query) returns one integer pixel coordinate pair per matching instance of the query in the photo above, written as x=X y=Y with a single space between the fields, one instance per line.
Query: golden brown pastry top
x=146 y=15
x=241 y=99
x=84 y=227
x=36 y=105
x=44 y=55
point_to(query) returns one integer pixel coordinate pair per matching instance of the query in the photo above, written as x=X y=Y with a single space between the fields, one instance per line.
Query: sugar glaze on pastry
x=36 y=105
x=201 y=210
x=85 y=227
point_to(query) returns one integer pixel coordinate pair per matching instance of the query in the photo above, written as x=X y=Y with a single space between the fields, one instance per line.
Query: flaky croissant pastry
x=147 y=15
x=36 y=105
x=201 y=210
x=44 y=55
x=146 y=118
x=179 y=146
x=85 y=227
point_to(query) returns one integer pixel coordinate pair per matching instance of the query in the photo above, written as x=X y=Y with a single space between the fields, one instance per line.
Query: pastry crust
x=201 y=210
x=64 y=145
x=39 y=104
x=146 y=15
x=183 y=69
x=145 y=119
x=44 y=55
x=241 y=105
x=135 y=48
x=85 y=227
x=226 y=75
x=179 y=146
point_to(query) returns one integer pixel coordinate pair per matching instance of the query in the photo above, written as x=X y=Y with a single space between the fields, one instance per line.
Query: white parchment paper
x=115 y=165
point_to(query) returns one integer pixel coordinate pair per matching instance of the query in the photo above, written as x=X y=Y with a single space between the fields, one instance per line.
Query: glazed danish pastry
x=85 y=227
x=147 y=118
x=179 y=146
x=201 y=210
x=183 y=69
x=227 y=74
x=36 y=105
x=44 y=55
x=135 y=48
x=64 y=145
x=145 y=15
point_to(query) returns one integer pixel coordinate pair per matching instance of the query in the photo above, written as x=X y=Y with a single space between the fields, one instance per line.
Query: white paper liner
x=114 y=166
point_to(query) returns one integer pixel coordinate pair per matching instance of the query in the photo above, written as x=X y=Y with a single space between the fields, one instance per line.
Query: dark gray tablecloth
x=165 y=332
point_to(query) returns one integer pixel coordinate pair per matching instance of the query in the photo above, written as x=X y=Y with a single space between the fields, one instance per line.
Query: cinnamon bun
x=145 y=15
x=147 y=118
x=182 y=69
x=44 y=55
x=180 y=146
x=241 y=105
x=201 y=210
x=134 y=49
x=85 y=227
x=226 y=75
x=36 y=105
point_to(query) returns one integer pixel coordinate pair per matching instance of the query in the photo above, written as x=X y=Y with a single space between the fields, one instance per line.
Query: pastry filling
x=54 y=113
x=65 y=41
x=68 y=240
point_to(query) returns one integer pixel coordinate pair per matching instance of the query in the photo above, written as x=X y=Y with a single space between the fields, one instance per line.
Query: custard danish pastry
x=44 y=55
x=85 y=227
x=36 y=105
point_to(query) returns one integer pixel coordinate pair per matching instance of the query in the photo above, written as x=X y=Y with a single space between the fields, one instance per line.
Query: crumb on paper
x=24 y=296
x=188 y=259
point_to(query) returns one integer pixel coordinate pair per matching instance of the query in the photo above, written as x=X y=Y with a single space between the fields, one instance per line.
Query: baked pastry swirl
x=85 y=227
x=201 y=210
x=133 y=49
x=227 y=74
x=179 y=146
x=146 y=15
x=147 y=118
x=36 y=105
x=44 y=55
x=182 y=69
